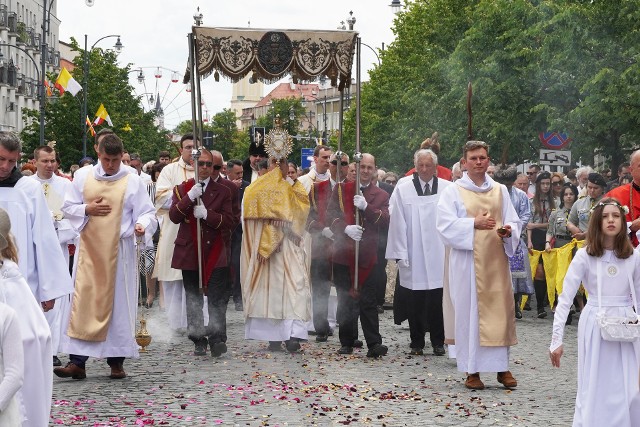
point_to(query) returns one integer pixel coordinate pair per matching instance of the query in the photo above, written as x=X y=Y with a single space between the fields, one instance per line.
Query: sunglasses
x=390 y=181
x=209 y=164
x=531 y=173
x=557 y=183
x=342 y=163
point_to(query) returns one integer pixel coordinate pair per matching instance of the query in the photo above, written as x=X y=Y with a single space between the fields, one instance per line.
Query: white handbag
x=618 y=328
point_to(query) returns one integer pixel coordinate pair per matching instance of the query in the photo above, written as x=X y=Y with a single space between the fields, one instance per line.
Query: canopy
x=271 y=54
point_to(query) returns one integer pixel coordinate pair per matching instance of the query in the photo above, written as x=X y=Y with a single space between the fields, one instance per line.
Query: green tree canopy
x=536 y=65
x=108 y=84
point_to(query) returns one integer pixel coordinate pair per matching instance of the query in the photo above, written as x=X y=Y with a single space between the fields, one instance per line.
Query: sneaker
x=473 y=382
x=507 y=380
x=56 y=361
x=218 y=349
x=438 y=350
x=117 y=372
x=377 y=350
x=71 y=370
x=345 y=350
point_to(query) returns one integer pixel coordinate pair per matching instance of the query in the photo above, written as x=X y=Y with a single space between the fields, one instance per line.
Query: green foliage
x=107 y=84
x=546 y=65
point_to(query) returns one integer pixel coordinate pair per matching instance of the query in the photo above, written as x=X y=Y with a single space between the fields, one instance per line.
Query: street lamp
x=118 y=47
x=396 y=6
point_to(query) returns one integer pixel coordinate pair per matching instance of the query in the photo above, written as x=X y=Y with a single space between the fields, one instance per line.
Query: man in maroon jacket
x=218 y=213
x=374 y=214
x=322 y=236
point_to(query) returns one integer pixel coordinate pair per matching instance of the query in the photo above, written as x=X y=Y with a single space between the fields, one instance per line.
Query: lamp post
x=85 y=75
x=396 y=6
x=41 y=98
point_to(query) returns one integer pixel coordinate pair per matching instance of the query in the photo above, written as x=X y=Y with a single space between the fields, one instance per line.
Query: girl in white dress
x=11 y=367
x=607 y=370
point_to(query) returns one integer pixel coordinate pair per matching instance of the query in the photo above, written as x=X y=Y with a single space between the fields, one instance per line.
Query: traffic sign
x=306 y=157
x=560 y=158
x=554 y=140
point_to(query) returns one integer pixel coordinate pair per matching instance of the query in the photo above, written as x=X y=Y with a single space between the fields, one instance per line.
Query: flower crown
x=623 y=208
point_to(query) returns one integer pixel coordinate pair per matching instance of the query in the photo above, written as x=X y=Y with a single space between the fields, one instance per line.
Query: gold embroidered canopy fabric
x=269 y=55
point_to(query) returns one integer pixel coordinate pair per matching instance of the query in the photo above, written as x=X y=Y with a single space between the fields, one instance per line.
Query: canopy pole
x=357 y=157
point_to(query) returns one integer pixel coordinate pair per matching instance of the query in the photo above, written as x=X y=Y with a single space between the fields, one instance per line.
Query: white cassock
x=40 y=258
x=54 y=190
x=457 y=231
x=34 y=398
x=137 y=208
x=172 y=174
x=413 y=236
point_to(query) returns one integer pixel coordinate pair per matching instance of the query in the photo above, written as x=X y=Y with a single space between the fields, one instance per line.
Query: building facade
x=21 y=25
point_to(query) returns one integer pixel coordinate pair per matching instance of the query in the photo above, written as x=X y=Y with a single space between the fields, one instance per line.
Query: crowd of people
x=306 y=252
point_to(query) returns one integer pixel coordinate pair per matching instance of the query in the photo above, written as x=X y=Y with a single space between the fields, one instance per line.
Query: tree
x=568 y=66
x=108 y=84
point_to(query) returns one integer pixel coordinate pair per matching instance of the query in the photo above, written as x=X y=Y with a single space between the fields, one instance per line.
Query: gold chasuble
x=97 y=262
x=493 y=279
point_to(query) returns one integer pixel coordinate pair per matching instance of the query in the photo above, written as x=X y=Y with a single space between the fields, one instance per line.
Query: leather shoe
x=239 y=306
x=542 y=314
x=416 y=352
x=275 y=345
x=71 y=370
x=117 y=372
x=322 y=338
x=438 y=350
x=473 y=382
x=377 y=350
x=507 y=380
x=201 y=348
x=218 y=349
x=292 y=345
x=358 y=344
x=56 y=361
x=345 y=349
x=380 y=309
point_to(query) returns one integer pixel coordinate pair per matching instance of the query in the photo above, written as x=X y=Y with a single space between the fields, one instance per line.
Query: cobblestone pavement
x=250 y=386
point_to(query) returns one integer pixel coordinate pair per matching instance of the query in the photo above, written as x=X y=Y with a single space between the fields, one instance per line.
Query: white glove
x=199 y=211
x=359 y=202
x=403 y=263
x=354 y=231
x=326 y=232
x=196 y=191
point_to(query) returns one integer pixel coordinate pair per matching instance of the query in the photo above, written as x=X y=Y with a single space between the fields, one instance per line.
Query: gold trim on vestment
x=496 y=306
x=92 y=304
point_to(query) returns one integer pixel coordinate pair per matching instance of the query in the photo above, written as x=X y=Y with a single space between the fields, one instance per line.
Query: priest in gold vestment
x=273 y=271
x=110 y=206
x=478 y=222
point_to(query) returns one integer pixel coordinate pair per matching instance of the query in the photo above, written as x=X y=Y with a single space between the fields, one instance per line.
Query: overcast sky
x=154 y=33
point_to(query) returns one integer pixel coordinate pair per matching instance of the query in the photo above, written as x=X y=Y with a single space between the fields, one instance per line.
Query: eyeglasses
x=342 y=163
x=203 y=164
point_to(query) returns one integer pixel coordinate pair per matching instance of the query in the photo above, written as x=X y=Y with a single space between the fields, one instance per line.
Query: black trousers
x=218 y=297
x=80 y=361
x=236 y=288
x=320 y=288
x=425 y=314
x=350 y=309
x=380 y=276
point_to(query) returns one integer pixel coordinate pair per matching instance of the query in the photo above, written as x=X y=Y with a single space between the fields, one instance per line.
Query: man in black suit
x=234 y=174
